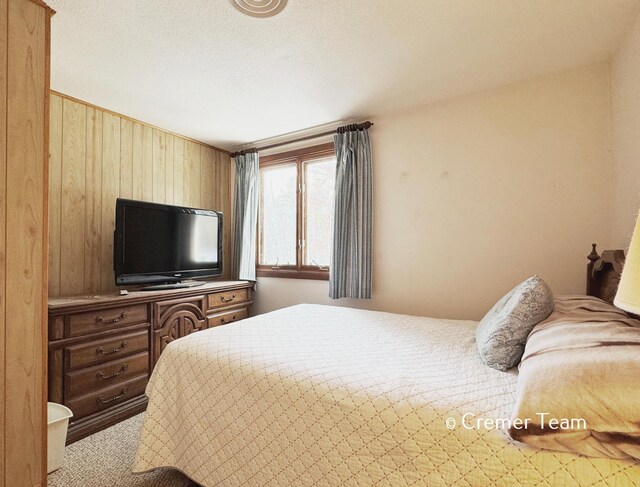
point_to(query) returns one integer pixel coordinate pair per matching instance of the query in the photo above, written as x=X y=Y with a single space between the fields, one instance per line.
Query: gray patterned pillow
x=503 y=332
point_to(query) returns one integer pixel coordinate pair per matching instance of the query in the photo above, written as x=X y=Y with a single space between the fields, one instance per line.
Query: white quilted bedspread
x=319 y=395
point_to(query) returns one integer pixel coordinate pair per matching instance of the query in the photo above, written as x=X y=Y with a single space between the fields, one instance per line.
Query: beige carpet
x=104 y=460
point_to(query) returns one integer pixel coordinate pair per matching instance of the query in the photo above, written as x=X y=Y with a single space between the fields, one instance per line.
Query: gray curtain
x=350 y=271
x=245 y=216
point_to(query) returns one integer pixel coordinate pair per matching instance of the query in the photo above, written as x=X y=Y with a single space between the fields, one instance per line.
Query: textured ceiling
x=202 y=69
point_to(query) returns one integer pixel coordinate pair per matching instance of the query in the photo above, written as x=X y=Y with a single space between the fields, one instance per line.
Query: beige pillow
x=581 y=369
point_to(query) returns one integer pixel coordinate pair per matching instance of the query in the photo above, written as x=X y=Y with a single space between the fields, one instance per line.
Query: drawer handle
x=122 y=316
x=227 y=300
x=224 y=321
x=102 y=351
x=102 y=400
x=100 y=375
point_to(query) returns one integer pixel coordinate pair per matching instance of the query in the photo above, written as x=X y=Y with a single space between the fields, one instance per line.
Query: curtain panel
x=350 y=271
x=245 y=216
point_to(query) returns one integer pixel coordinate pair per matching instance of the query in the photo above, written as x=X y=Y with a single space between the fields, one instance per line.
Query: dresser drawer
x=107 y=397
x=99 y=351
x=97 y=321
x=228 y=298
x=89 y=379
x=227 y=317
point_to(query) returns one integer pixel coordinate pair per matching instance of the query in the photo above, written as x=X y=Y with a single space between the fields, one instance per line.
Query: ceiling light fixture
x=259 y=8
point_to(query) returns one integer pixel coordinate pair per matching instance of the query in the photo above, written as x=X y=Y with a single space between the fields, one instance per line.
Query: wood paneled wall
x=96 y=156
x=24 y=90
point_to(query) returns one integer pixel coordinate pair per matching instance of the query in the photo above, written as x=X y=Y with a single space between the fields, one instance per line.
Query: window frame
x=298 y=271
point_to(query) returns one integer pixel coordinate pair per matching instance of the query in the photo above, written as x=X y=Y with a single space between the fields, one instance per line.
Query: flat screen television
x=164 y=246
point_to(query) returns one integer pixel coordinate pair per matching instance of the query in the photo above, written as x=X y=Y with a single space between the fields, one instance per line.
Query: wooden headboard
x=603 y=273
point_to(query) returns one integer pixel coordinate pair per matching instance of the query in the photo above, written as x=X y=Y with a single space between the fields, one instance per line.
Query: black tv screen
x=156 y=243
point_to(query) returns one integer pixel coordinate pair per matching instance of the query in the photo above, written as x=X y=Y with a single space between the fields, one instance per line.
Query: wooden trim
x=297 y=157
x=299 y=215
x=4 y=167
x=293 y=273
x=78 y=100
x=44 y=332
x=278 y=162
x=27 y=78
x=40 y=3
x=259 y=233
x=294 y=154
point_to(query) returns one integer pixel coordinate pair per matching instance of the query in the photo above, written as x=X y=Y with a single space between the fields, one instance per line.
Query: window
x=295 y=215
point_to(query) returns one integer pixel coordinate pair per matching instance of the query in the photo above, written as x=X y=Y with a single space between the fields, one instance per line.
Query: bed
x=322 y=395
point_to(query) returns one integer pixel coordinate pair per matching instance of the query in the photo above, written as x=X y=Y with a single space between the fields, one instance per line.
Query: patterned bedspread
x=319 y=395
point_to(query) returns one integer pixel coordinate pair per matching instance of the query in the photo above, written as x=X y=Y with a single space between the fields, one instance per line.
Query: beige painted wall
x=475 y=194
x=625 y=116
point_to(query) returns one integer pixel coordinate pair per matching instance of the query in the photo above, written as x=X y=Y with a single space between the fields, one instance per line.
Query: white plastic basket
x=57 y=424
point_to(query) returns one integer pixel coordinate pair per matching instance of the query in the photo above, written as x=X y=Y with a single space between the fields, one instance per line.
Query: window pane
x=278 y=215
x=320 y=177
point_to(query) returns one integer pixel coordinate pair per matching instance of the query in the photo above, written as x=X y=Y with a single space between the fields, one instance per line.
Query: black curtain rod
x=341 y=130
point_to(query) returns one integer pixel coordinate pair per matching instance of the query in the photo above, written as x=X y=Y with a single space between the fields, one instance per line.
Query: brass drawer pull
x=102 y=400
x=224 y=322
x=100 y=375
x=227 y=300
x=102 y=351
x=122 y=316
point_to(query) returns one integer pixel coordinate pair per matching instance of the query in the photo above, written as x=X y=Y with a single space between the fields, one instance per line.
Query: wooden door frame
x=25 y=101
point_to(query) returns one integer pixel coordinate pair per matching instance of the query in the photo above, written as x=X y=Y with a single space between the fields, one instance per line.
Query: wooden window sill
x=294 y=274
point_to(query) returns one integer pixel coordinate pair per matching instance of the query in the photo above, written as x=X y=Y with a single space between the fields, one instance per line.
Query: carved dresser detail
x=103 y=348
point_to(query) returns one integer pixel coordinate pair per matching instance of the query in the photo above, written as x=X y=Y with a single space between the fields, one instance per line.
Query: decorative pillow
x=502 y=333
x=581 y=366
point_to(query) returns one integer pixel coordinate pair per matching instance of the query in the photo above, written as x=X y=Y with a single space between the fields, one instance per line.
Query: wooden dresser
x=103 y=348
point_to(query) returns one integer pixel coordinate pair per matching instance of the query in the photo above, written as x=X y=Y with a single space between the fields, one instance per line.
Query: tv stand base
x=173 y=285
